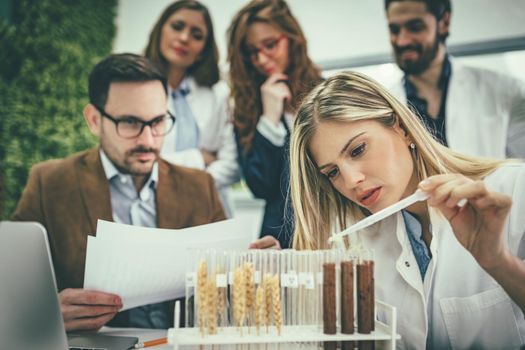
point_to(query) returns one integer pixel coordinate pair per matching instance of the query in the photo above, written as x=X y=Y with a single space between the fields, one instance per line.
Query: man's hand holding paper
x=148 y=265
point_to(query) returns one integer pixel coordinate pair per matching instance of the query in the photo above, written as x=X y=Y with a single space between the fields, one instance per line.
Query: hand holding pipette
x=478 y=225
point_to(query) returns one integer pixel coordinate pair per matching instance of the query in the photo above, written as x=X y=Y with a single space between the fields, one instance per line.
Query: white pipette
x=417 y=196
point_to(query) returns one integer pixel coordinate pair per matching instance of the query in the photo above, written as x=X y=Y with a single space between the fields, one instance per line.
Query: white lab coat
x=485 y=112
x=459 y=306
x=210 y=108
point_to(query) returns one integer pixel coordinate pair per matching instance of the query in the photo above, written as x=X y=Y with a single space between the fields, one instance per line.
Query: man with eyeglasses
x=122 y=180
x=471 y=110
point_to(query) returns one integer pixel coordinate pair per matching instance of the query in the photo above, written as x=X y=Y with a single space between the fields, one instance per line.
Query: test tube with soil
x=365 y=298
x=329 y=303
x=347 y=302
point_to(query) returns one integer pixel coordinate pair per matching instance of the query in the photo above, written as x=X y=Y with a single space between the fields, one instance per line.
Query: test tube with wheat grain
x=239 y=297
x=202 y=275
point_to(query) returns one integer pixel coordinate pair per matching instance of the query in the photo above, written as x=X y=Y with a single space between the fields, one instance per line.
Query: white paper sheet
x=148 y=265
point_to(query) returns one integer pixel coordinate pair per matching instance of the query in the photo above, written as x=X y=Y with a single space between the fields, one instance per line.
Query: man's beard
x=125 y=165
x=128 y=167
x=426 y=56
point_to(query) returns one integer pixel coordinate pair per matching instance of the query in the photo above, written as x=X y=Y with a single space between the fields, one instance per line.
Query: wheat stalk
x=276 y=301
x=260 y=307
x=250 y=292
x=239 y=297
x=267 y=300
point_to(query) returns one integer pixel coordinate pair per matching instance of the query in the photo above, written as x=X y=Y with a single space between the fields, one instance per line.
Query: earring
x=412 y=146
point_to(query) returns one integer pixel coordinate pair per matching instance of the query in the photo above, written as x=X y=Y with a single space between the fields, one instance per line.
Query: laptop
x=30 y=315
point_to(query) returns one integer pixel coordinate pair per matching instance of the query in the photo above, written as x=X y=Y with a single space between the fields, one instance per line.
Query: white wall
x=335 y=29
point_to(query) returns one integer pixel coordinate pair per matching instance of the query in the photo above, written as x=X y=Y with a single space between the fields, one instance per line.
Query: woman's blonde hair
x=246 y=81
x=205 y=71
x=319 y=208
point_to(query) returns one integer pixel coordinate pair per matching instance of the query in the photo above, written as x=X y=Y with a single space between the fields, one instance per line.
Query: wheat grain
x=212 y=296
x=221 y=296
x=250 y=292
x=202 y=275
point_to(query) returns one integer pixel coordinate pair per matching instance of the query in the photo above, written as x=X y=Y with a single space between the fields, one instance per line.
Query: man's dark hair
x=436 y=7
x=125 y=67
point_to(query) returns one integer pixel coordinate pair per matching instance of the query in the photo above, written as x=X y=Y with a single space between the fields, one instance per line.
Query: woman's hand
x=479 y=223
x=267 y=242
x=274 y=92
x=208 y=156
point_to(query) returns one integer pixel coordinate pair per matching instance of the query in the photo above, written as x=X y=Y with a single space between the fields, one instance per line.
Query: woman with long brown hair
x=182 y=45
x=269 y=72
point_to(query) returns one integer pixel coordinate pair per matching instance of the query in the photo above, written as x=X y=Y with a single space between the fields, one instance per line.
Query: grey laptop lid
x=29 y=310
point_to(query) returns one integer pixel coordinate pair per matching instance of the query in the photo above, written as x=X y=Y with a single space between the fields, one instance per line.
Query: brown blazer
x=69 y=195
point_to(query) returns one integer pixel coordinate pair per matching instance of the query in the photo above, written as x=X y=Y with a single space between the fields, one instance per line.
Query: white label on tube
x=310 y=284
x=293 y=281
x=302 y=278
x=257 y=277
x=190 y=279
x=284 y=280
x=221 y=280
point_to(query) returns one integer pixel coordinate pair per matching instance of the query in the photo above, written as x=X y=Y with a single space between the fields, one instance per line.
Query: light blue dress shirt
x=187 y=128
x=139 y=209
x=415 y=236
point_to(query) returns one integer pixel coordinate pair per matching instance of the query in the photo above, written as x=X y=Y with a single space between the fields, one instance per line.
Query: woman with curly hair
x=269 y=72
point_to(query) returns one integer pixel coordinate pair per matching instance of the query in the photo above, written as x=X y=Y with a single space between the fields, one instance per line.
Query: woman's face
x=183 y=37
x=367 y=162
x=267 y=48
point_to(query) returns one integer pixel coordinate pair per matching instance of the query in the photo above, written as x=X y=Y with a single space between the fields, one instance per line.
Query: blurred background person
x=182 y=45
x=269 y=72
x=472 y=110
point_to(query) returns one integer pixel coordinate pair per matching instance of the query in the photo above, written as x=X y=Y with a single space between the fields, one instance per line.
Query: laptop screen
x=30 y=315
x=29 y=306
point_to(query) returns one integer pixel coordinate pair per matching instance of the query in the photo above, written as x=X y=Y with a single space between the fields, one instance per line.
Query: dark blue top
x=435 y=126
x=266 y=168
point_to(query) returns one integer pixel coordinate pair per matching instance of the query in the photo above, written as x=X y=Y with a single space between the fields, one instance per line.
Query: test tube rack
x=188 y=338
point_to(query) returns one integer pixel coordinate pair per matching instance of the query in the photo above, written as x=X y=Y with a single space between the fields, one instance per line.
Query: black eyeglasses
x=130 y=127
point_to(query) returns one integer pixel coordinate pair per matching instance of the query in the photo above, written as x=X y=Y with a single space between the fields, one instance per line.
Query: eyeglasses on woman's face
x=130 y=127
x=268 y=48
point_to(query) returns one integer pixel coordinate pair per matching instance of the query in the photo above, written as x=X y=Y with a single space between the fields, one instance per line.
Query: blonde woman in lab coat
x=455 y=273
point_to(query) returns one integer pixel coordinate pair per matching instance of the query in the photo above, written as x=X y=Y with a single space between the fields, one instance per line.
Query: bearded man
x=471 y=110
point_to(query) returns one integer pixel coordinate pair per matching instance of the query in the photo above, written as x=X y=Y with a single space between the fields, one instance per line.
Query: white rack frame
x=289 y=334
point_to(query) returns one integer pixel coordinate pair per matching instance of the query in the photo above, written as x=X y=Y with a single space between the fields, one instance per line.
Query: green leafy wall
x=46 y=53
